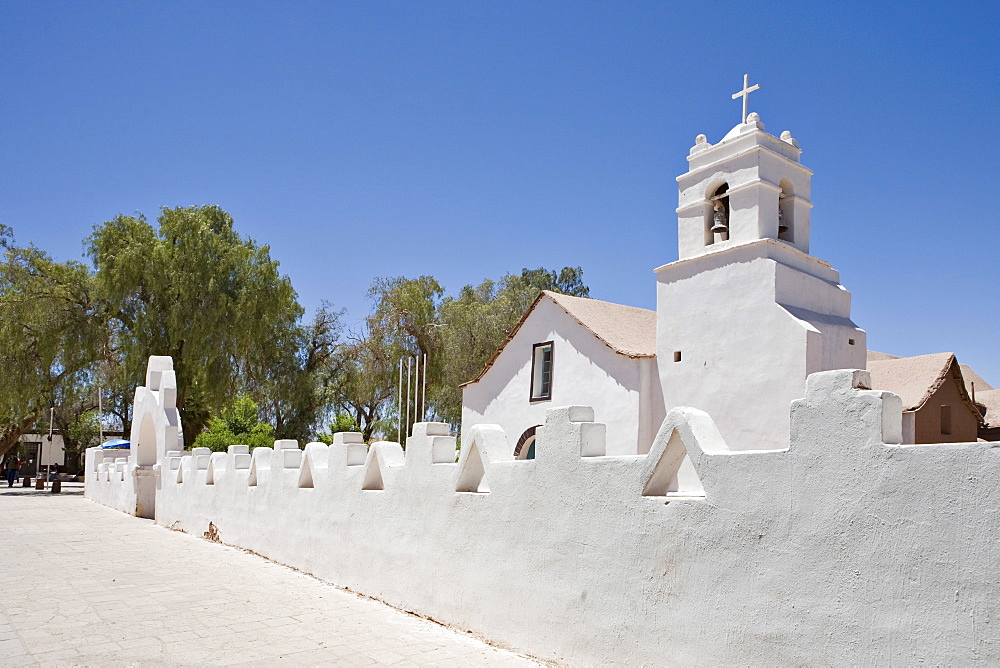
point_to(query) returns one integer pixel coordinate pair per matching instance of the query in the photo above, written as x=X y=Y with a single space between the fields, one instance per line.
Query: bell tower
x=749 y=186
x=745 y=313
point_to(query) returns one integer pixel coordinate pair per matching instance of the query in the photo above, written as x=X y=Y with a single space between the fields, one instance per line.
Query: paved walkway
x=85 y=585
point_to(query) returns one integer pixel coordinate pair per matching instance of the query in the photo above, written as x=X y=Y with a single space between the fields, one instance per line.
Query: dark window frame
x=539 y=396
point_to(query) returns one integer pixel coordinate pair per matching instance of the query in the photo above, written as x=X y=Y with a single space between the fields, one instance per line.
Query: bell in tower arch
x=719 y=223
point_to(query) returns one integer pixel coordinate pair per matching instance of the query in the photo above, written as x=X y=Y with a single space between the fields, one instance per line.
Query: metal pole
x=100 y=415
x=408 y=361
x=416 y=389
x=399 y=405
x=43 y=477
x=423 y=394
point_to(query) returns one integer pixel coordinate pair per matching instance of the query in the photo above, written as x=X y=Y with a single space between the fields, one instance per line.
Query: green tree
x=405 y=313
x=402 y=323
x=194 y=289
x=341 y=422
x=364 y=387
x=83 y=432
x=295 y=386
x=411 y=317
x=238 y=424
x=49 y=326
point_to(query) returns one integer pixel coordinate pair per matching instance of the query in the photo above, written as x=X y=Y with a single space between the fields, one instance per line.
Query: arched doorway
x=145 y=447
x=525 y=448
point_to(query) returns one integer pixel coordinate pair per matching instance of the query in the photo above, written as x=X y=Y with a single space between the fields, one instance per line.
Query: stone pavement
x=85 y=585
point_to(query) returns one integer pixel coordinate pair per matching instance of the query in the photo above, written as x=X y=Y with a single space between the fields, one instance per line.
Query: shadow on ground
x=68 y=489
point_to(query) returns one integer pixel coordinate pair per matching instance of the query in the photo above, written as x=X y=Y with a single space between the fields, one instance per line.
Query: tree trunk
x=11 y=434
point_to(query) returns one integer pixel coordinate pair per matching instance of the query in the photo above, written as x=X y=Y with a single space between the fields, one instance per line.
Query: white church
x=742 y=317
x=725 y=457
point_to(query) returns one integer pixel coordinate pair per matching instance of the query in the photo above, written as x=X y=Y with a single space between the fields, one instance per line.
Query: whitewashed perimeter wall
x=844 y=549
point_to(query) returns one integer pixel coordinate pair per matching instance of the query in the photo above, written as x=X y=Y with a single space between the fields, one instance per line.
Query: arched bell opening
x=786 y=212
x=717 y=214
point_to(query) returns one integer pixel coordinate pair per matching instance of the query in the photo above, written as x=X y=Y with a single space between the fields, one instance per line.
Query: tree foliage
x=49 y=326
x=412 y=317
x=80 y=433
x=192 y=288
x=238 y=424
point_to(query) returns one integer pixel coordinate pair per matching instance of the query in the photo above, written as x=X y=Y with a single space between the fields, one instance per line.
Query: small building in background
x=937 y=404
x=52 y=451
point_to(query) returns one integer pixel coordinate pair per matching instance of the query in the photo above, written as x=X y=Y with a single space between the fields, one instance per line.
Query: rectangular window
x=946 y=420
x=541 y=371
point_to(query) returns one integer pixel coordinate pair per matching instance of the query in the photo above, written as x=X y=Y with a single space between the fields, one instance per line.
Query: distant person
x=12 y=465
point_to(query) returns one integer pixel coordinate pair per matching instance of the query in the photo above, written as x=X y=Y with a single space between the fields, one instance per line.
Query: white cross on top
x=745 y=93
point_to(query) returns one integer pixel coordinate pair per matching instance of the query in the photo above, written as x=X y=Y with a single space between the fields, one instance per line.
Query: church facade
x=742 y=317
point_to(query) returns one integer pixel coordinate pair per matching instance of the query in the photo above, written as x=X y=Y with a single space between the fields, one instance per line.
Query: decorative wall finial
x=745 y=93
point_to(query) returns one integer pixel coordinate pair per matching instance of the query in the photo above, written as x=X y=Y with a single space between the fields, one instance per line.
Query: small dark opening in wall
x=850 y=342
x=677 y=356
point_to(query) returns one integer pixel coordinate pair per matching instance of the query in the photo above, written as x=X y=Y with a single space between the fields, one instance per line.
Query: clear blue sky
x=469 y=139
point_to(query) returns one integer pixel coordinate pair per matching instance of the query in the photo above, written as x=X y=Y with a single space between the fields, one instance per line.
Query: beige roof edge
x=554 y=297
x=944 y=374
x=558 y=298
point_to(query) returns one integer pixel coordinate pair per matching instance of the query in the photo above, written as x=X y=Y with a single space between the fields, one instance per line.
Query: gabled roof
x=990 y=399
x=968 y=374
x=915 y=379
x=627 y=330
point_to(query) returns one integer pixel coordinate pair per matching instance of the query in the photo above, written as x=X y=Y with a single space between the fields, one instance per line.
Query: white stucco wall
x=53 y=451
x=751 y=322
x=127 y=481
x=844 y=549
x=585 y=371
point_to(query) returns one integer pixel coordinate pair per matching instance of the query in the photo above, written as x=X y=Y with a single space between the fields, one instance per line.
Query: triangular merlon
x=381 y=456
x=471 y=476
x=305 y=473
x=216 y=465
x=491 y=440
x=261 y=460
x=687 y=434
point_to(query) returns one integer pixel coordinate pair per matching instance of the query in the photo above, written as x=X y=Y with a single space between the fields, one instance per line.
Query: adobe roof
x=915 y=379
x=990 y=399
x=874 y=356
x=968 y=374
x=627 y=330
